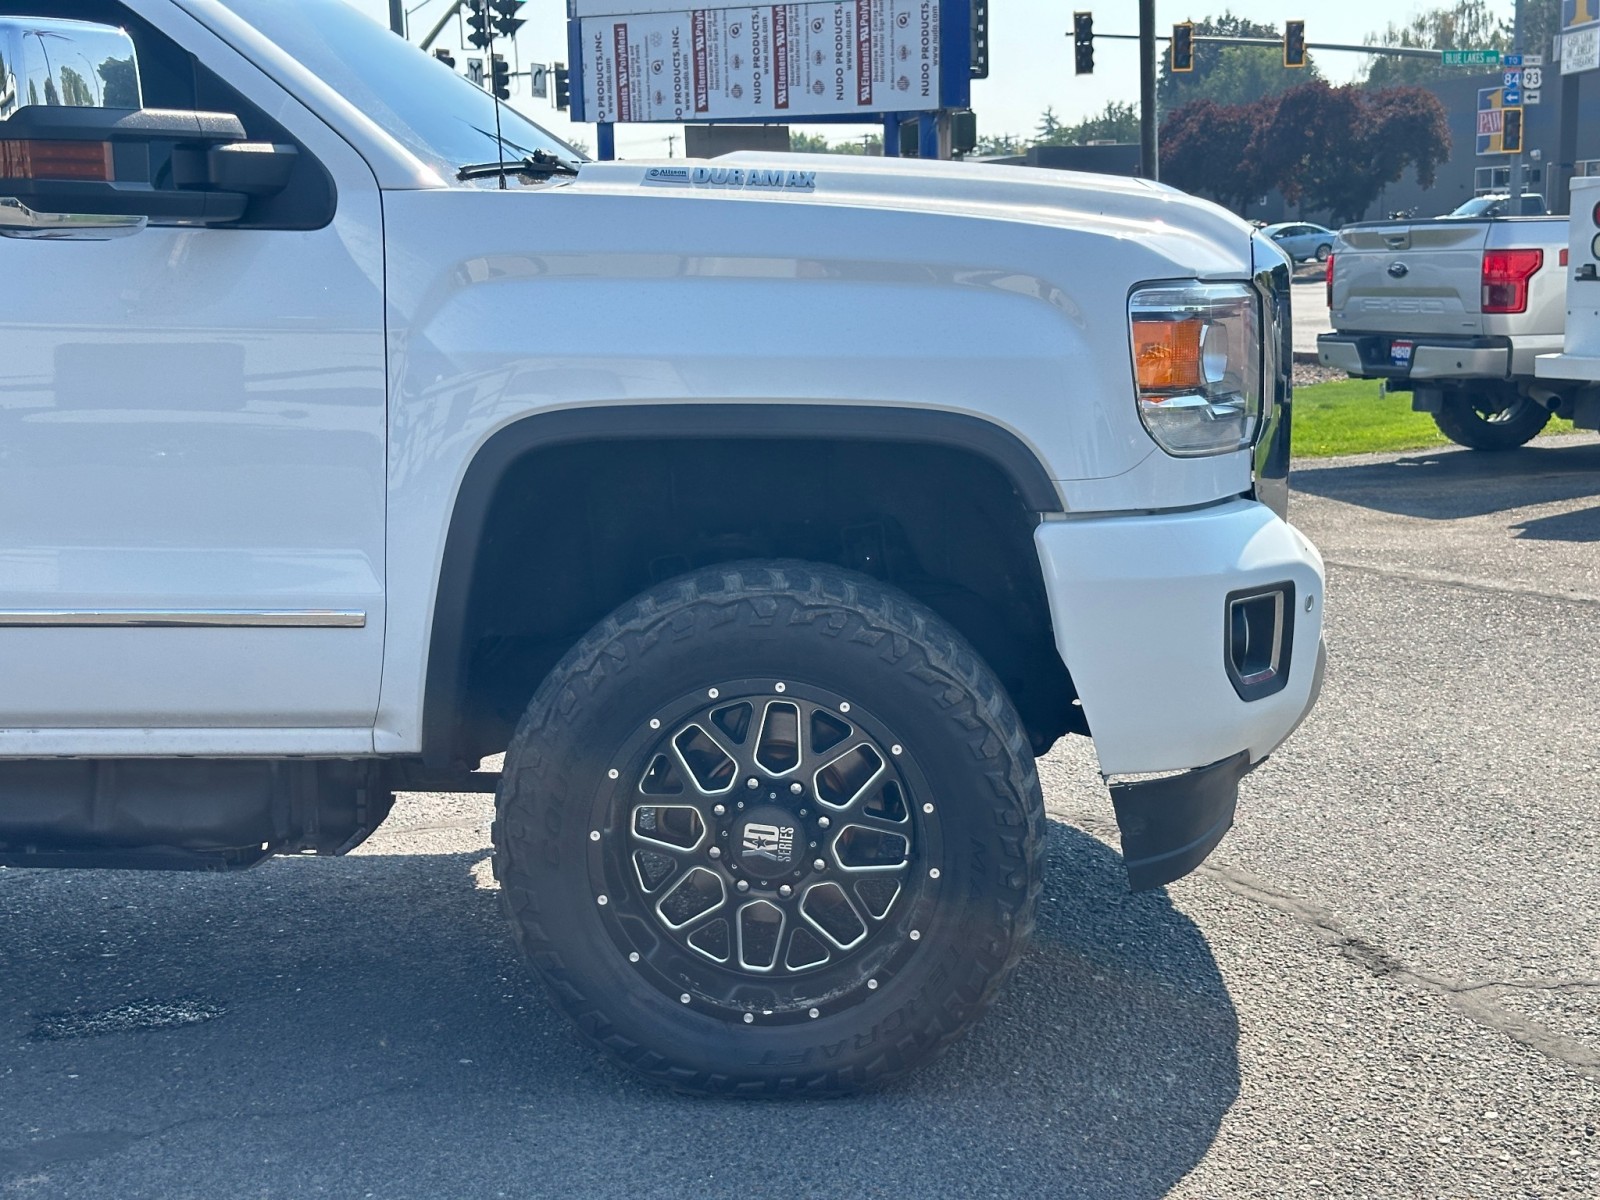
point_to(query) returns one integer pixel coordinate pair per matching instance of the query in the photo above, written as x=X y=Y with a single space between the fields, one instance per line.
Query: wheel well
x=558 y=535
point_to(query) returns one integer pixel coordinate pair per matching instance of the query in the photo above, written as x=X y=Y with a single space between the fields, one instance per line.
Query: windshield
x=433 y=112
x=1480 y=207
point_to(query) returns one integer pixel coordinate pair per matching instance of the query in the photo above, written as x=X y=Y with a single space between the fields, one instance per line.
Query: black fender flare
x=444 y=679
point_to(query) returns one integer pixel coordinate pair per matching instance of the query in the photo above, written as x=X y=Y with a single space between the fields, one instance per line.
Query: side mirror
x=81 y=157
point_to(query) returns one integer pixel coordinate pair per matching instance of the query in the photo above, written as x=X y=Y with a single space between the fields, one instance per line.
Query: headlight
x=1197 y=363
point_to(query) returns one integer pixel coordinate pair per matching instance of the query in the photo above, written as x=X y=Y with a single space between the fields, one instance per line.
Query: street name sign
x=1471 y=58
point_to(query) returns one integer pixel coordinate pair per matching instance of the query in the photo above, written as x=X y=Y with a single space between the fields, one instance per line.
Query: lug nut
x=823 y=822
x=715 y=852
x=796 y=788
x=752 y=782
x=743 y=885
x=720 y=810
x=749 y=1018
x=820 y=865
x=786 y=891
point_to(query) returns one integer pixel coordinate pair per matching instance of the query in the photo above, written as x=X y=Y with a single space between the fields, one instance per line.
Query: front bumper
x=1140 y=607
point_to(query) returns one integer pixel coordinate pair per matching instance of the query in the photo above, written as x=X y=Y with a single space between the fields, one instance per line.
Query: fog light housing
x=1258 y=639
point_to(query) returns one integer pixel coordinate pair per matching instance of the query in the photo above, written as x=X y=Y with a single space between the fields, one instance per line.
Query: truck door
x=192 y=426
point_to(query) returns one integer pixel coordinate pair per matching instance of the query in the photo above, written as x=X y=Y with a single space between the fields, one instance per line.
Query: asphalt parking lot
x=1386 y=982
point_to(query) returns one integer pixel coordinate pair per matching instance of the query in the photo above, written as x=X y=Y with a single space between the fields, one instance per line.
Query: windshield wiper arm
x=537 y=163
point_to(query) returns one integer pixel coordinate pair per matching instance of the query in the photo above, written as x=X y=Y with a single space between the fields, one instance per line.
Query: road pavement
x=1386 y=982
x=1310 y=308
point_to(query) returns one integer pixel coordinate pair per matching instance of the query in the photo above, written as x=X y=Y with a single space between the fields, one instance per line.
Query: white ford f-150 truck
x=1456 y=311
x=770 y=515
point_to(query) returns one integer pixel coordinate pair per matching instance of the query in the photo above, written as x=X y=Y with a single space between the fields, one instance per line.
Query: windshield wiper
x=537 y=163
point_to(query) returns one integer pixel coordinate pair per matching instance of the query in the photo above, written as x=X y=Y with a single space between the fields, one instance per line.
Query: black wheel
x=1323 y=251
x=772 y=827
x=1484 y=421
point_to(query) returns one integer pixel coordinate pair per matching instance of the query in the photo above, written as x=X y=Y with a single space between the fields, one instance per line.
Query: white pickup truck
x=770 y=515
x=1575 y=371
x=1455 y=311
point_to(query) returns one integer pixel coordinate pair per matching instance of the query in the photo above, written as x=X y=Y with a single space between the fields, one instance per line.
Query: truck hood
x=1205 y=238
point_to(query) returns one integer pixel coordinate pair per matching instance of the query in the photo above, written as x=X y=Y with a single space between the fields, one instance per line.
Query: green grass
x=1350 y=416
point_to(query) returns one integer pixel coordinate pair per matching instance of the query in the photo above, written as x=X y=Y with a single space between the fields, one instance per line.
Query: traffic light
x=1511 y=131
x=1294 y=43
x=963 y=132
x=506 y=21
x=979 y=32
x=446 y=58
x=1183 y=46
x=1083 y=43
x=500 y=77
x=480 y=20
x=563 y=85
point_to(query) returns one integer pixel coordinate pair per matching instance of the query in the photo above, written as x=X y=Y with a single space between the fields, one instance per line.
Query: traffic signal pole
x=1516 y=159
x=1149 y=162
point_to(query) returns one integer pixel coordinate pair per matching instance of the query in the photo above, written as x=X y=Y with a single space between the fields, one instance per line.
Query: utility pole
x=1516 y=159
x=1149 y=162
x=397 y=16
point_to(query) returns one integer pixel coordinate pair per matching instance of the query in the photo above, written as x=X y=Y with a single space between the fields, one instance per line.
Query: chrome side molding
x=232 y=618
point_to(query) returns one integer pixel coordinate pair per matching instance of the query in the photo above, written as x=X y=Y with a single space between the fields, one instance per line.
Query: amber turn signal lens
x=1167 y=354
x=77 y=162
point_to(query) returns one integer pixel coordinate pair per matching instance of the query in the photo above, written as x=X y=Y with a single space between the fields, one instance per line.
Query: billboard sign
x=1491 y=120
x=838 y=58
x=1580 y=36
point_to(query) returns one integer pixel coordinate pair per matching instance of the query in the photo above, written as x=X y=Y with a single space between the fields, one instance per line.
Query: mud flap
x=1169 y=825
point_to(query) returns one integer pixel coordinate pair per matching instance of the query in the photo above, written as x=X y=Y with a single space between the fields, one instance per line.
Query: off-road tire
x=1469 y=419
x=813 y=626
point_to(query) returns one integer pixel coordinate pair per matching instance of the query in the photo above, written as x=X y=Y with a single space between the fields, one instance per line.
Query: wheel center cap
x=767 y=842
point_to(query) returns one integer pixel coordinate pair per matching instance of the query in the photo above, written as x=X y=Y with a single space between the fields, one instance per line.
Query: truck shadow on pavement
x=363 y=1027
x=1449 y=483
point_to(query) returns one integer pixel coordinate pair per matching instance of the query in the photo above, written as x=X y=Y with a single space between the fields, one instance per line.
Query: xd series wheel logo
x=774 y=842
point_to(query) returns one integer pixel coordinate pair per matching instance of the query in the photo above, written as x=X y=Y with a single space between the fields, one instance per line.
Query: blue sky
x=1031 y=56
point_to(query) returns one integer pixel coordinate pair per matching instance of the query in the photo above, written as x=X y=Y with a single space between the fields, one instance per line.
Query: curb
x=1306 y=358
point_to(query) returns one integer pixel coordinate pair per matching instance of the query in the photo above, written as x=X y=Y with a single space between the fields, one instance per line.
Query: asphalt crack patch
x=124 y=1018
x=1467 y=998
x=1465 y=582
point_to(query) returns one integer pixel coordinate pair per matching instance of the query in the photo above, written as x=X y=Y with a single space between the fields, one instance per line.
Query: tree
x=1467 y=25
x=808 y=143
x=1116 y=122
x=1231 y=74
x=1212 y=149
x=1335 y=149
x=993 y=144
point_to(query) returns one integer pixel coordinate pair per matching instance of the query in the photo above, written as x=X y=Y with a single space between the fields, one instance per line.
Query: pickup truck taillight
x=88 y=162
x=1505 y=279
x=1329 y=278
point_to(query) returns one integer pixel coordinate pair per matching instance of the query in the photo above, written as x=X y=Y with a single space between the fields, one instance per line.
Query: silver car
x=1302 y=241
